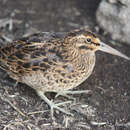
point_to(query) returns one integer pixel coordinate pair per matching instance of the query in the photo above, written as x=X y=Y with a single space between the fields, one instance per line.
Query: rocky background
x=108 y=106
x=114 y=17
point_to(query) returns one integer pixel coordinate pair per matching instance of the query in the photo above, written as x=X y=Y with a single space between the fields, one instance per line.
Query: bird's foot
x=57 y=106
x=53 y=106
x=65 y=93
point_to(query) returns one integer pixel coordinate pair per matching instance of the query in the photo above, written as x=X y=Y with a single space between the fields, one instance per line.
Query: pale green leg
x=16 y=83
x=65 y=93
x=53 y=105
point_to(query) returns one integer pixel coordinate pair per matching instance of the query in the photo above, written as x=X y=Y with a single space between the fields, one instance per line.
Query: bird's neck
x=82 y=62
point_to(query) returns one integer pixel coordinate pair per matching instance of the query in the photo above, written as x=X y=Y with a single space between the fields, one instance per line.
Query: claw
x=56 y=106
x=53 y=105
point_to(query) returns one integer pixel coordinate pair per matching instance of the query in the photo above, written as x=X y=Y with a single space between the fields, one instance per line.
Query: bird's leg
x=16 y=83
x=52 y=105
x=65 y=93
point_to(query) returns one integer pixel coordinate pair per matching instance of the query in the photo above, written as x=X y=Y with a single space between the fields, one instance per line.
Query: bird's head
x=86 y=41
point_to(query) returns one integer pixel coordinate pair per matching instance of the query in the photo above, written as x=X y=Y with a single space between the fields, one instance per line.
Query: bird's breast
x=63 y=76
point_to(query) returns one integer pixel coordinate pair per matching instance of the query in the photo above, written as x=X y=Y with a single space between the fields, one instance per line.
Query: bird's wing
x=37 y=52
x=44 y=37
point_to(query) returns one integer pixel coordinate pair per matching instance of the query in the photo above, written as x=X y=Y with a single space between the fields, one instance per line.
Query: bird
x=54 y=62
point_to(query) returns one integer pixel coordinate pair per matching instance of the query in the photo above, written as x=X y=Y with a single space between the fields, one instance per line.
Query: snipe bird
x=53 y=62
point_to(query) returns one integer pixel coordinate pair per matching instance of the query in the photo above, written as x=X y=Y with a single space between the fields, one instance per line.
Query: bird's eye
x=89 y=40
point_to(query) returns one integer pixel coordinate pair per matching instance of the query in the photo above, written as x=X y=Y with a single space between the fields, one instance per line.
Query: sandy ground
x=106 y=108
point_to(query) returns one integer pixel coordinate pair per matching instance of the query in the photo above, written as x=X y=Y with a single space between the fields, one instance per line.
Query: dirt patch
x=106 y=108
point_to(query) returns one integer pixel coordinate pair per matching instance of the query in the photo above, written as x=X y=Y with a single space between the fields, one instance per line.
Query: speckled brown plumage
x=52 y=61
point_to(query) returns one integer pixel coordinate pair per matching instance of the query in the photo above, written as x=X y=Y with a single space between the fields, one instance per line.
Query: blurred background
x=29 y=16
x=107 y=108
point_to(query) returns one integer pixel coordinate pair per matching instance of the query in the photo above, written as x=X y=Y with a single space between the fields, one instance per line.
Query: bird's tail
x=3 y=58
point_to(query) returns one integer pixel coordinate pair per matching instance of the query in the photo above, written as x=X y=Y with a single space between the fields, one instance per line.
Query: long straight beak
x=104 y=47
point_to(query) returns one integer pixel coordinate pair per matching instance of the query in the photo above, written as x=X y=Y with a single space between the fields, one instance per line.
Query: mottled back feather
x=32 y=53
